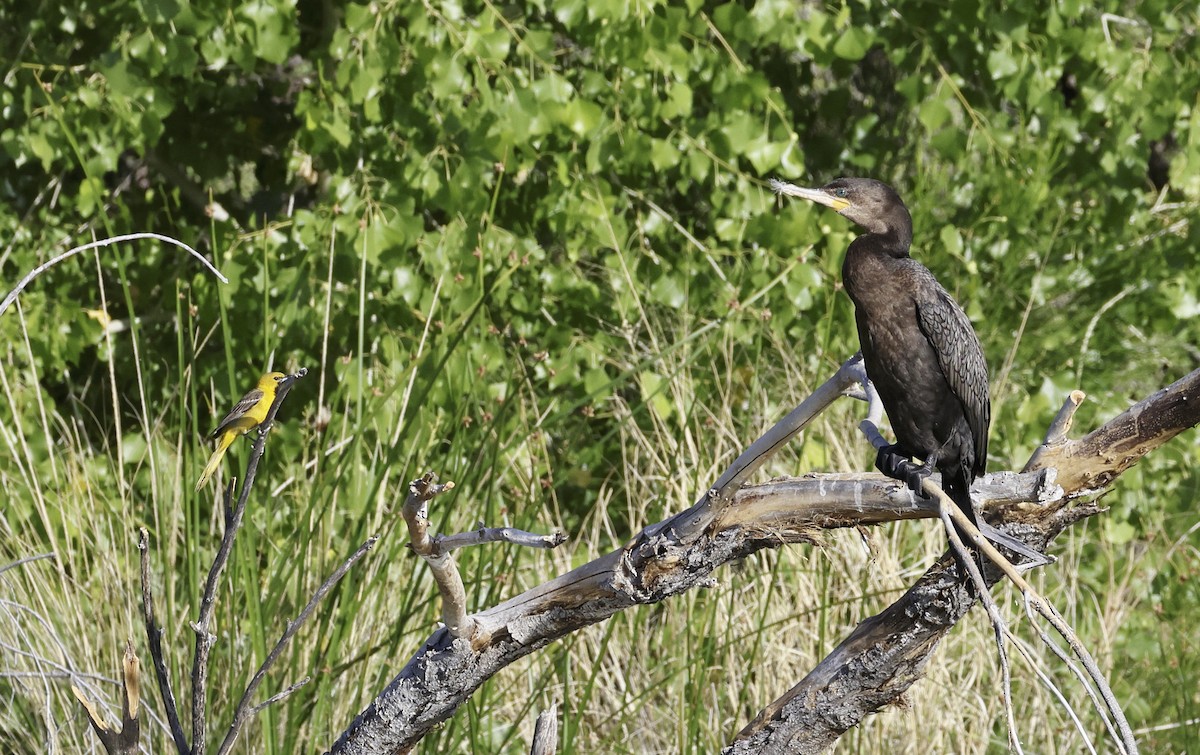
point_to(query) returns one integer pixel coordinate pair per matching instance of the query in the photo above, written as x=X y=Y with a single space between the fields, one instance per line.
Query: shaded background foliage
x=495 y=201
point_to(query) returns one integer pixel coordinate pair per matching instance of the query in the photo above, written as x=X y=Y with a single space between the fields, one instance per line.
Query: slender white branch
x=12 y=295
x=280 y=695
x=447 y=543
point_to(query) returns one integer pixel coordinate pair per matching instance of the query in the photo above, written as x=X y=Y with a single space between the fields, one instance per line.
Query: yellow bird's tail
x=214 y=461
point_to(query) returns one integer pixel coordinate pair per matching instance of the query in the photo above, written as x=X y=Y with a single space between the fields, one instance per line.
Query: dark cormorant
x=918 y=346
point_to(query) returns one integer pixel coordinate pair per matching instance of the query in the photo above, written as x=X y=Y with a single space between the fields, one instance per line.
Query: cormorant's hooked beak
x=813 y=195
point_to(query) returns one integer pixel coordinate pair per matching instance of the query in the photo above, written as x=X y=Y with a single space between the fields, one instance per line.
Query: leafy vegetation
x=531 y=247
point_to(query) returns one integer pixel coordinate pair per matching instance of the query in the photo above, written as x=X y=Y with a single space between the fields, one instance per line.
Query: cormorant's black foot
x=894 y=464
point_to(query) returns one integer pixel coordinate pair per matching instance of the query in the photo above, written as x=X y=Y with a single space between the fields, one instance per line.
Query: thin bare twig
x=1118 y=727
x=12 y=295
x=999 y=625
x=279 y=695
x=1027 y=653
x=27 y=560
x=204 y=638
x=154 y=638
x=244 y=710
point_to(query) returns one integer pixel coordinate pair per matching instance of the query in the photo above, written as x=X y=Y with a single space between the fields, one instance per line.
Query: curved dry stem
x=1048 y=683
x=27 y=560
x=999 y=625
x=1102 y=697
x=12 y=295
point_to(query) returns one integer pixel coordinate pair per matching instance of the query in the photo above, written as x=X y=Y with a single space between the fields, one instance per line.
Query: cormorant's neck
x=892 y=241
x=889 y=232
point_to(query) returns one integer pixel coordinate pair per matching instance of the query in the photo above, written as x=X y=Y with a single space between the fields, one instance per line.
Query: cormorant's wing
x=243 y=406
x=961 y=358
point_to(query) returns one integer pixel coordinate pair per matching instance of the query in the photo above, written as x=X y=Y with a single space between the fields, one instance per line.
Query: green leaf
x=581 y=117
x=952 y=241
x=933 y=114
x=1001 y=64
x=653 y=387
x=276 y=29
x=853 y=43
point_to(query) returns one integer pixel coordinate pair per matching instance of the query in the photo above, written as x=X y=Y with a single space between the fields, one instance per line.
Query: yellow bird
x=247 y=415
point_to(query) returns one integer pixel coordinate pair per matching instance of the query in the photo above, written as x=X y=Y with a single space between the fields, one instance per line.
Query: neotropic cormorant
x=918 y=346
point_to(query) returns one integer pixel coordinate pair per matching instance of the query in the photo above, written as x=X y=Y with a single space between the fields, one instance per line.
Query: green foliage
x=510 y=240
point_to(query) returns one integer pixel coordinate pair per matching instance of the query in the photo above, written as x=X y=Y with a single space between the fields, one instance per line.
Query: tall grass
x=680 y=677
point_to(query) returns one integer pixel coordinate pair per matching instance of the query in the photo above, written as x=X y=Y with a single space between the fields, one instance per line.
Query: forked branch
x=867 y=671
x=435 y=549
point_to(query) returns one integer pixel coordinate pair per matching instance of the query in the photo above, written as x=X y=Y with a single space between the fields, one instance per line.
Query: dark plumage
x=918 y=346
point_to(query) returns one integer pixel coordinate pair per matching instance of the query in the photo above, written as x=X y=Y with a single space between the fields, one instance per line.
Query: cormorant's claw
x=895 y=465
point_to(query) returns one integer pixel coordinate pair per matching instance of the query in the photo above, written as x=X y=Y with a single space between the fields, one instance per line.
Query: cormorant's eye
x=840 y=193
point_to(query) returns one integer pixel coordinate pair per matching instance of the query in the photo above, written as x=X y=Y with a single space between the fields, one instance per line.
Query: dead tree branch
x=801 y=721
x=443 y=566
x=881 y=659
x=435 y=549
x=545 y=733
x=1095 y=460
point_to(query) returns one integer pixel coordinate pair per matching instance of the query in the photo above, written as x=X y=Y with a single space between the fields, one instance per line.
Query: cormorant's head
x=871 y=204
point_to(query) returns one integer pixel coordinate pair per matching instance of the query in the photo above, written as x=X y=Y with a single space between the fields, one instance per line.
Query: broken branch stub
x=1094 y=461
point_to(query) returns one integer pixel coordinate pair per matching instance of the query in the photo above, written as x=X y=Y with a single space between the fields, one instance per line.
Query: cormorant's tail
x=957 y=484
